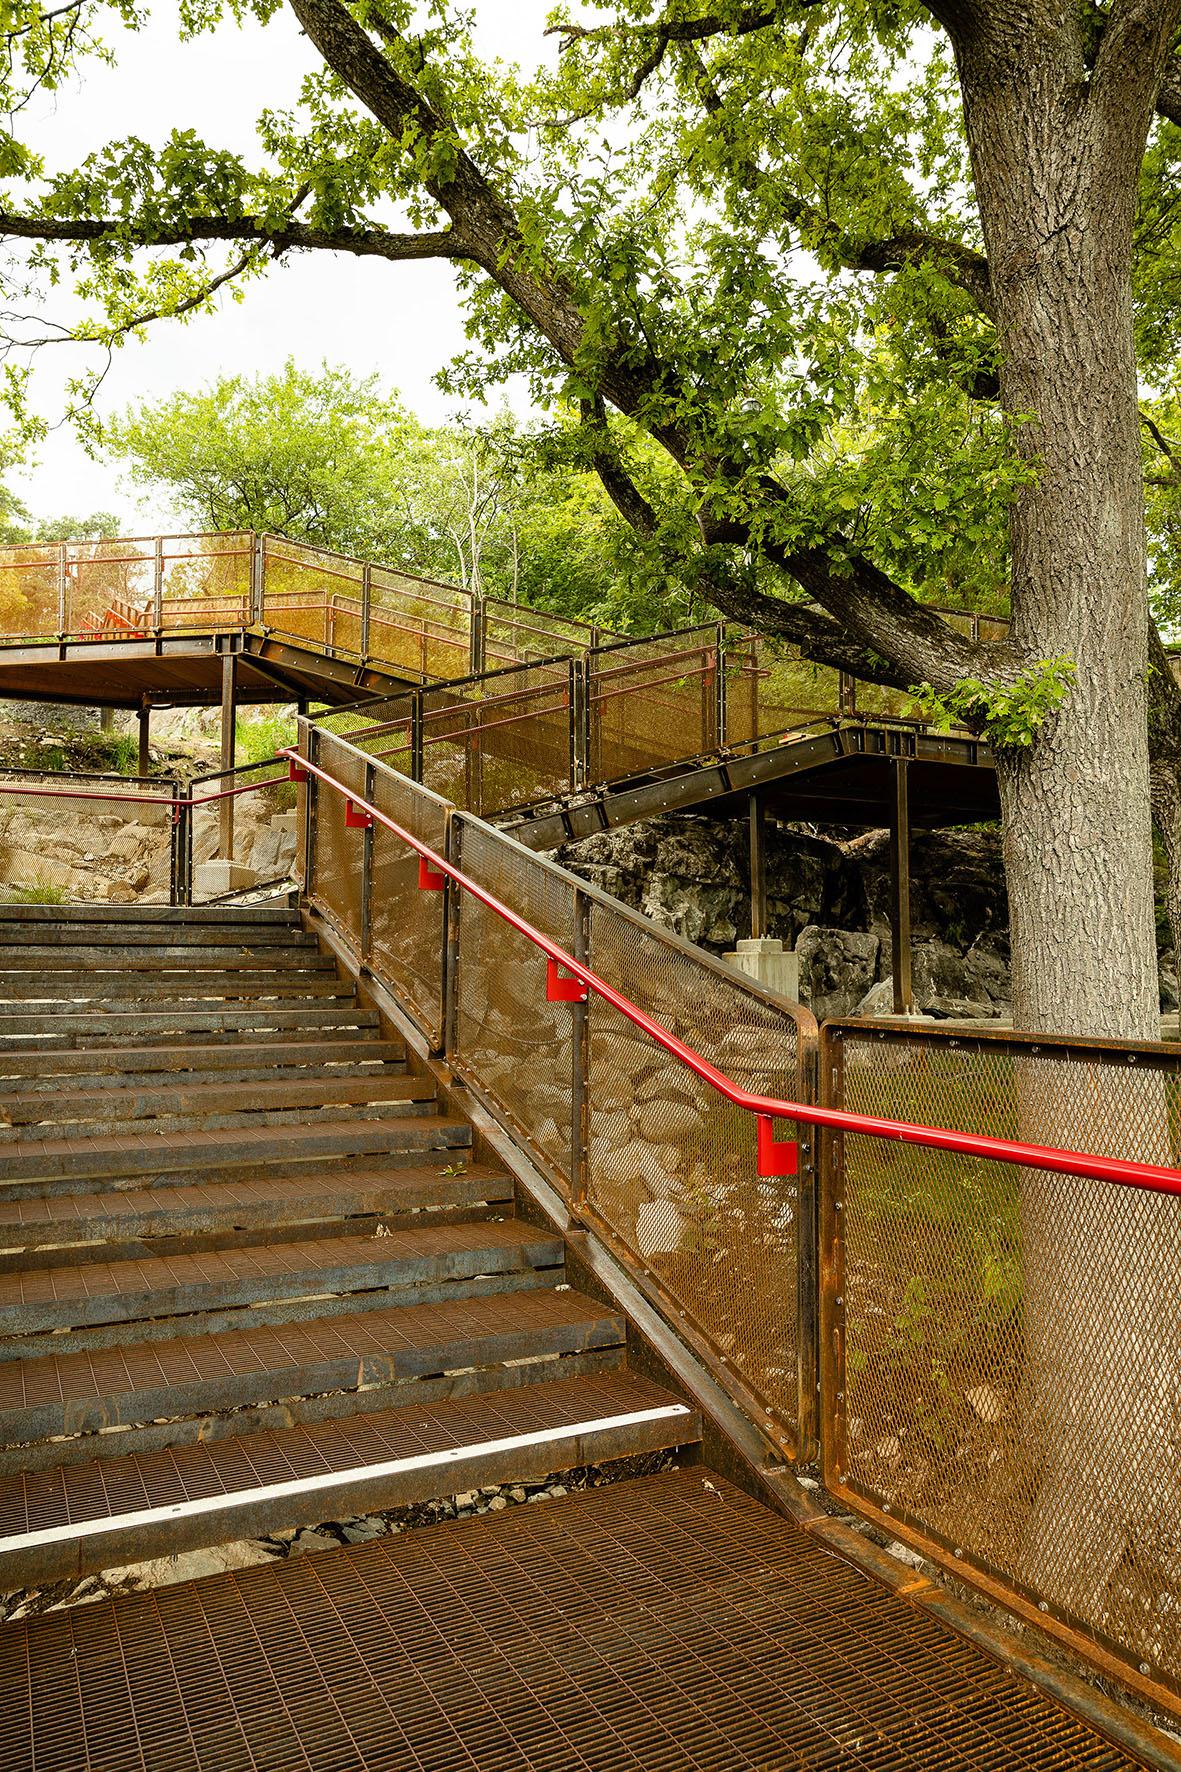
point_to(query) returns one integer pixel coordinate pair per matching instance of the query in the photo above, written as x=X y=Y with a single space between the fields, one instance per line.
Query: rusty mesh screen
x=406 y=931
x=110 y=841
x=1008 y=1377
x=419 y=626
x=29 y=585
x=771 y=687
x=205 y=580
x=248 y=839
x=500 y=740
x=671 y=1167
x=651 y=702
x=312 y=594
x=338 y=857
x=517 y=1046
x=513 y=633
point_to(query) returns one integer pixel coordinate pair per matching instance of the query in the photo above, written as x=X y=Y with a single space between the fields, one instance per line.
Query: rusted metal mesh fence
x=407 y=926
x=85 y=839
x=652 y=702
x=518 y=1046
x=244 y=833
x=671 y=1167
x=1003 y=1346
x=771 y=687
x=337 y=861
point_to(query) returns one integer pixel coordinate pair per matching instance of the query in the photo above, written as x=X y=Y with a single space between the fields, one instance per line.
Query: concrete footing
x=765 y=959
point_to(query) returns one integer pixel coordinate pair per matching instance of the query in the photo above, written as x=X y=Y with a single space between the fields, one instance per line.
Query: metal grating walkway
x=668 y=1624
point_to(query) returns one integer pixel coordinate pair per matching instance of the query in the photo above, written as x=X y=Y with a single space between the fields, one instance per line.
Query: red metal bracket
x=562 y=986
x=295 y=771
x=776 y=1158
x=356 y=818
x=429 y=878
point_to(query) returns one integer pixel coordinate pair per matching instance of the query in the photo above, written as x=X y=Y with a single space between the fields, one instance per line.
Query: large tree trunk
x=1056 y=175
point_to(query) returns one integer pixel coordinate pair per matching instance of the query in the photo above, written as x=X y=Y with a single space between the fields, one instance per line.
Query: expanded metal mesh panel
x=500 y=741
x=771 y=687
x=512 y=632
x=419 y=626
x=1011 y=1381
x=29 y=585
x=247 y=836
x=338 y=858
x=652 y=702
x=671 y=1165
x=204 y=580
x=109 y=840
x=406 y=925
x=311 y=594
x=518 y=1046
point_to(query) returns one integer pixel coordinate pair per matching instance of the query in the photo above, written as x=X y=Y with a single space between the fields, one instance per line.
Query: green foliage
x=39 y=893
x=260 y=736
x=1009 y=715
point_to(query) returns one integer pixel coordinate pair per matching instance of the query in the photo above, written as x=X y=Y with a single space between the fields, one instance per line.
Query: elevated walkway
x=253 y=1282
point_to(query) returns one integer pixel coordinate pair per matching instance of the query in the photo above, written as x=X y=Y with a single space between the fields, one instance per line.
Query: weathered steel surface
x=668 y=1622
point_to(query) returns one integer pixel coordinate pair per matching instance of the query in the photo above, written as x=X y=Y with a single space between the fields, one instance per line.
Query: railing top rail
x=1117 y=1170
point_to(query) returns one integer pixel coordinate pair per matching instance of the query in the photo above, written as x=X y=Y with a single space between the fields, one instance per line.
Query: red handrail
x=1117 y=1170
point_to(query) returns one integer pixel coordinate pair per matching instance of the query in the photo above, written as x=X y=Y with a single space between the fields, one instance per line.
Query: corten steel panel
x=671 y=1165
x=669 y=1624
x=261 y=791
x=30 y=580
x=517 y=1046
x=1002 y=1347
x=512 y=631
x=420 y=626
x=501 y=740
x=771 y=687
x=407 y=925
x=651 y=702
x=338 y=857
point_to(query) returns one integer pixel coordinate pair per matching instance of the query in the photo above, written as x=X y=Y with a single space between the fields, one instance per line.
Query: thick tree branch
x=284 y=236
x=621 y=489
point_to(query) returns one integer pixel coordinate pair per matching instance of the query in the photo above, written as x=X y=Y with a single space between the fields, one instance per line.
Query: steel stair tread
x=559 y=1424
x=115 y=1067
x=91 y=1212
x=58 y=1393
x=668 y=1622
x=119 y=1154
x=192 y=1101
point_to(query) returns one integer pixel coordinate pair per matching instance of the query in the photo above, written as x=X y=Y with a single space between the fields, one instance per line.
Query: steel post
x=900 y=886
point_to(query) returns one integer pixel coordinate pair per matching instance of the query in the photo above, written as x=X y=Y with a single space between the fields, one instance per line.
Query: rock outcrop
x=828 y=896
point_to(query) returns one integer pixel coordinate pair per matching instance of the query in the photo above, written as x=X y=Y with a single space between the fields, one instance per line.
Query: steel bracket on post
x=429 y=878
x=775 y=1158
x=296 y=771
x=562 y=986
x=356 y=818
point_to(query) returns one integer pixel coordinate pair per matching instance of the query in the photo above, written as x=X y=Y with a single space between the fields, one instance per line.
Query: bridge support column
x=229 y=675
x=145 y=719
x=900 y=886
x=763 y=957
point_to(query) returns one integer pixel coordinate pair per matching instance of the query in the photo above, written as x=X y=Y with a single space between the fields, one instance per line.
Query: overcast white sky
x=401 y=321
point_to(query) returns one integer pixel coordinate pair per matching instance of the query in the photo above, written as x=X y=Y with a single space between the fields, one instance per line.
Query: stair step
x=185 y=1103
x=130 y=1023
x=68 y=1165
x=35 y=1300
x=76 y=1518
x=17 y=989
x=147 y=915
x=59 y=1220
x=113 y=1067
x=83 y=958
x=128 y=938
x=83 y=1393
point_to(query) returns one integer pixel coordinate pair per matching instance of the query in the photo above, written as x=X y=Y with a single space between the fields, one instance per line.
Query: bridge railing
x=1001 y=1346
x=997 y=1342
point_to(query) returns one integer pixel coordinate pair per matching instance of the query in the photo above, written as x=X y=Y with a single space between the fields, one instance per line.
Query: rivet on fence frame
x=1145 y=1667
x=429 y=878
x=1042 y=1606
x=958 y=1551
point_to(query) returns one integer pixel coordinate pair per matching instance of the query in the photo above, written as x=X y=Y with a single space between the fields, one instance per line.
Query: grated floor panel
x=667 y=1624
